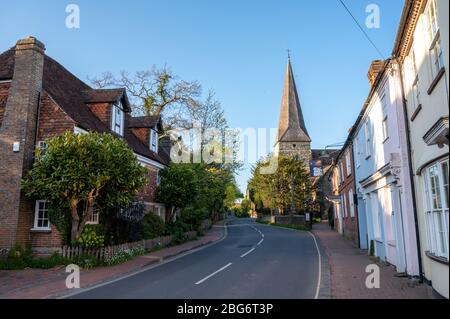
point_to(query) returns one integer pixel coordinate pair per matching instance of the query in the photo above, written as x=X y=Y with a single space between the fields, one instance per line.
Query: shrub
x=372 y=248
x=27 y=261
x=179 y=237
x=124 y=255
x=153 y=226
x=89 y=238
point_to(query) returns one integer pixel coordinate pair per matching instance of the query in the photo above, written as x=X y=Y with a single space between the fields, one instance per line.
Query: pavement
x=50 y=283
x=347 y=265
x=253 y=261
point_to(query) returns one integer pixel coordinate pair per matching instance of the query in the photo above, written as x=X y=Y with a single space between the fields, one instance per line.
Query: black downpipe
x=411 y=172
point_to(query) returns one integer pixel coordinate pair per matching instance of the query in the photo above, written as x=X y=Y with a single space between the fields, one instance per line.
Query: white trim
x=79 y=130
x=36 y=214
x=5 y=81
x=153 y=135
x=148 y=161
x=113 y=118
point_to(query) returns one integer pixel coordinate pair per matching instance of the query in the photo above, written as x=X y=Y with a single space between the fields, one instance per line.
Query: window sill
x=436 y=80
x=41 y=230
x=441 y=260
x=416 y=112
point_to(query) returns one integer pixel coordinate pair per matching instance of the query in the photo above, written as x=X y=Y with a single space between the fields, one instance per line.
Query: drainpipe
x=411 y=171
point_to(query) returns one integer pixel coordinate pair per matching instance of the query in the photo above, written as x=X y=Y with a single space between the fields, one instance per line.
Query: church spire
x=291 y=127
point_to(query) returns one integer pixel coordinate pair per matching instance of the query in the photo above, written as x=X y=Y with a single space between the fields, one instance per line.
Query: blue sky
x=238 y=48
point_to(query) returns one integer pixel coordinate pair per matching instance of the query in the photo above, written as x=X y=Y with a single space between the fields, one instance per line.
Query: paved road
x=253 y=261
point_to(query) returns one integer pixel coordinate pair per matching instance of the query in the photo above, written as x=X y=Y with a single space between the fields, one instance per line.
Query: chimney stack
x=17 y=135
x=374 y=69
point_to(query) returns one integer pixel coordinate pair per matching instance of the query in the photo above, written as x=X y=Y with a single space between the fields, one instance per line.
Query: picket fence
x=106 y=252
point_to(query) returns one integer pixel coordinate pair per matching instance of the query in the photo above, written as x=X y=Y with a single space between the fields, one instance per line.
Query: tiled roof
x=291 y=126
x=72 y=94
x=143 y=121
x=7 y=64
x=104 y=95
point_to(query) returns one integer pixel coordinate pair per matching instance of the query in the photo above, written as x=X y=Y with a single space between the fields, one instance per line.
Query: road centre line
x=214 y=273
x=248 y=252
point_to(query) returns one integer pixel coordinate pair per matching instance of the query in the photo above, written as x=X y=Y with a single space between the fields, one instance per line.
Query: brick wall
x=148 y=192
x=19 y=125
x=350 y=224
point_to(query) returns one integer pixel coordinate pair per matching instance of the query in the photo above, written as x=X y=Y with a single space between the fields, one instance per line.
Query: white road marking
x=260 y=242
x=248 y=252
x=165 y=261
x=320 y=267
x=214 y=273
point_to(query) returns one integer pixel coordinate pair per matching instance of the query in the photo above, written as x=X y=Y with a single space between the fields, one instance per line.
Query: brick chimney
x=374 y=69
x=17 y=135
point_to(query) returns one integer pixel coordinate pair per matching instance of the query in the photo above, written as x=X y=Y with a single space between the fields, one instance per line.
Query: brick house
x=344 y=191
x=40 y=99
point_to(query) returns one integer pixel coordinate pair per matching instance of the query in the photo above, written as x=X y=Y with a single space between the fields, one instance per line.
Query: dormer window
x=153 y=140
x=117 y=118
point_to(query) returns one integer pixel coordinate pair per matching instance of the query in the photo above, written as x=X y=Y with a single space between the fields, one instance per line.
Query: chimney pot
x=375 y=68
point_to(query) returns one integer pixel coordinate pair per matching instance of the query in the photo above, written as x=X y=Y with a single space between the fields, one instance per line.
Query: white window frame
x=158 y=177
x=153 y=143
x=368 y=138
x=95 y=218
x=36 y=216
x=115 y=126
x=432 y=19
x=352 y=204
x=384 y=117
x=437 y=210
x=376 y=216
x=341 y=172
x=79 y=131
x=348 y=163
x=435 y=54
x=344 y=205
x=42 y=146
x=356 y=152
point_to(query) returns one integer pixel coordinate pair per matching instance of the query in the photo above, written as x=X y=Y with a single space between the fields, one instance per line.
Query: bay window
x=437 y=208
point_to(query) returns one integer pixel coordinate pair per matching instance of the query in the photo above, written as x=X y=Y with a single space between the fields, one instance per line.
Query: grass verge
x=296 y=227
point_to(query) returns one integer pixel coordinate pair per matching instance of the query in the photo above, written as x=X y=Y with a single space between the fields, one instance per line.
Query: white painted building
x=385 y=209
x=422 y=50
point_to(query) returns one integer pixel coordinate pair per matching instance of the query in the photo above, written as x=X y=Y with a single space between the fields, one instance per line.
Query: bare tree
x=153 y=92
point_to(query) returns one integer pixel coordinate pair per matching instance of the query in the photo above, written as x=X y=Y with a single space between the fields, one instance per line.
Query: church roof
x=291 y=127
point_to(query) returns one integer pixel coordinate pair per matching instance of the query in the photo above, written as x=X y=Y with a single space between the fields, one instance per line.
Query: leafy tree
x=179 y=186
x=232 y=193
x=288 y=185
x=77 y=171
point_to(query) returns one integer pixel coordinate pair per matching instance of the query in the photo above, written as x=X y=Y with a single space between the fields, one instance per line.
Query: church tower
x=293 y=138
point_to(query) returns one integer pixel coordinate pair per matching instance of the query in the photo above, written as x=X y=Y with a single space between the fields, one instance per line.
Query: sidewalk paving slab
x=347 y=266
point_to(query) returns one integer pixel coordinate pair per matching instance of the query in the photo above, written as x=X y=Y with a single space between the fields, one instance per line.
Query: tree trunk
x=75 y=220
